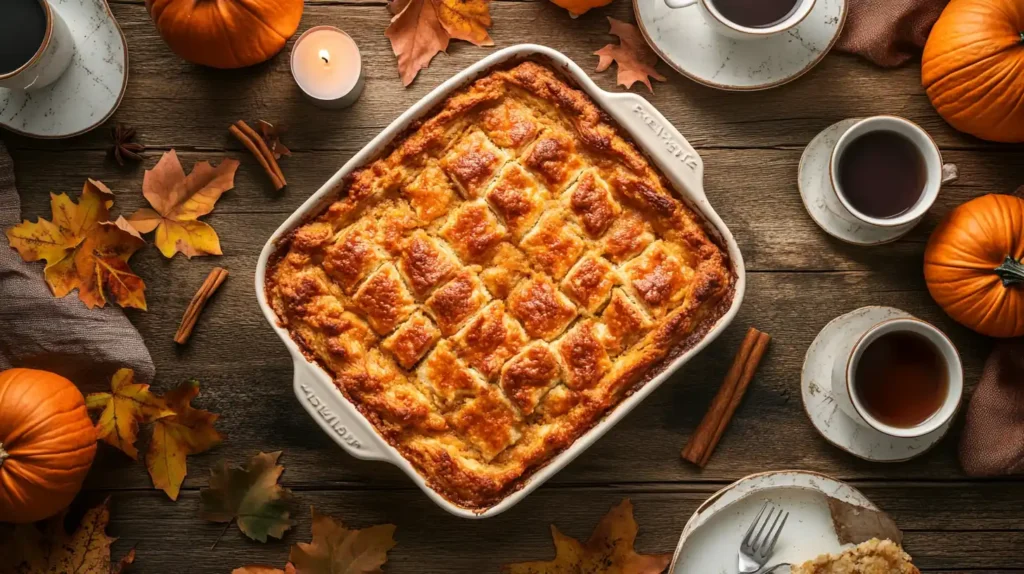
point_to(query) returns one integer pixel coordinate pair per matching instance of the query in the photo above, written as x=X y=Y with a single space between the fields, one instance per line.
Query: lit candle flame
x=325 y=56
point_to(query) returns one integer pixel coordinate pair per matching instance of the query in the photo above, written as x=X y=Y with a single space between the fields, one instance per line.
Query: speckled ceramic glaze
x=91 y=88
x=686 y=41
x=712 y=536
x=825 y=408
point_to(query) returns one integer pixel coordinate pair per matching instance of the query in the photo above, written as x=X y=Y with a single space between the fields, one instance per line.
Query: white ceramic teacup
x=852 y=349
x=731 y=29
x=936 y=173
x=50 y=61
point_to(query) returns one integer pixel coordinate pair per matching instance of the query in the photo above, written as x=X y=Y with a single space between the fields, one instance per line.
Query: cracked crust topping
x=503 y=276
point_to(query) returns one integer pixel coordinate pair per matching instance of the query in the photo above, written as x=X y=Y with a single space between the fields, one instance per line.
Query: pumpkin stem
x=1011 y=271
x=3 y=454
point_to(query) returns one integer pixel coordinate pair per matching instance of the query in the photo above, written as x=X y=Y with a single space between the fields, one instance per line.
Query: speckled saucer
x=685 y=41
x=91 y=88
x=822 y=405
x=820 y=197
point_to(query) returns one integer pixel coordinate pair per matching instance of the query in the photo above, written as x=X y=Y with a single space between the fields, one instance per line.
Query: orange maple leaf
x=635 y=59
x=128 y=404
x=335 y=548
x=187 y=431
x=420 y=29
x=178 y=201
x=83 y=250
x=609 y=550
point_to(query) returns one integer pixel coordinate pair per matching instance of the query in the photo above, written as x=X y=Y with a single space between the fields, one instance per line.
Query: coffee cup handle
x=950 y=172
x=680 y=3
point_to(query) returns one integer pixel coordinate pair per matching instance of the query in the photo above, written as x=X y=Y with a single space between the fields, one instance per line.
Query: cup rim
x=924 y=203
x=42 y=47
x=787 y=24
x=930 y=424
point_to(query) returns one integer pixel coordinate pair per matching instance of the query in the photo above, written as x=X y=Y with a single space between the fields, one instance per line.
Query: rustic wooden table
x=799 y=279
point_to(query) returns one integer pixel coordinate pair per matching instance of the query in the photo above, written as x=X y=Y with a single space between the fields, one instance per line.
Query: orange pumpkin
x=47 y=443
x=578 y=7
x=226 y=33
x=972 y=66
x=973 y=265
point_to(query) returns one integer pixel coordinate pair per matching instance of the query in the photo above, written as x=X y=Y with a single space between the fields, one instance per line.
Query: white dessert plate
x=687 y=43
x=91 y=88
x=711 y=538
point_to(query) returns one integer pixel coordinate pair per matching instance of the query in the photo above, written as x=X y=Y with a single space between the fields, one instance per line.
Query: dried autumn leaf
x=251 y=495
x=83 y=250
x=609 y=550
x=178 y=201
x=635 y=59
x=27 y=550
x=187 y=431
x=420 y=29
x=124 y=408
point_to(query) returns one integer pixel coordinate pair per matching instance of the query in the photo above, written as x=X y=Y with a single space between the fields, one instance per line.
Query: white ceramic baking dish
x=663 y=144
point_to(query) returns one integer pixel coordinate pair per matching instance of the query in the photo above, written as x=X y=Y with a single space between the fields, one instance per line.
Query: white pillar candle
x=327 y=67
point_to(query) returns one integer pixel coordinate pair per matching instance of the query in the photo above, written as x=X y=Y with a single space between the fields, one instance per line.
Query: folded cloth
x=37 y=330
x=889 y=32
x=993 y=439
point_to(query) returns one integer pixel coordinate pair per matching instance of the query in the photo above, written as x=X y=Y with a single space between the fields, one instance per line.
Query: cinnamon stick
x=724 y=405
x=258 y=148
x=195 y=307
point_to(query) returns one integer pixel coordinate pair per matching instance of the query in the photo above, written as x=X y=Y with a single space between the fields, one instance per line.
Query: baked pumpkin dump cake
x=507 y=272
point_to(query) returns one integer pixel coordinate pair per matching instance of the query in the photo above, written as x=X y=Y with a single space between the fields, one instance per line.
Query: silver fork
x=756 y=547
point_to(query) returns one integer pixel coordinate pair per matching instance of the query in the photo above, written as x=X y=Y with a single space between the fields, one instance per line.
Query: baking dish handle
x=336 y=417
x=662 y=140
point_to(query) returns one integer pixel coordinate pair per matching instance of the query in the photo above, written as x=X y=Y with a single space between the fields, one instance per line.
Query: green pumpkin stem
x=1011 y=271
x=3 y=454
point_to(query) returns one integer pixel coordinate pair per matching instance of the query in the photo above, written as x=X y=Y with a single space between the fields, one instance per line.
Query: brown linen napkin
x=889 y=32
x=993 y=440
x=61 y=335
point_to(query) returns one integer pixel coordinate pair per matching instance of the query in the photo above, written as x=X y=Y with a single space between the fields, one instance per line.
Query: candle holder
x=50 y=60
x=328 y=67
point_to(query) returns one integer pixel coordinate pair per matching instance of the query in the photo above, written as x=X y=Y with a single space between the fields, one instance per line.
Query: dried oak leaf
x=178 y=201
x=420 y=29
x=124 y=408
x=28 y=550
x=251 y=495
x=635 y=59
x=83 y=250
x=335 y=550
x=609 y=550
x=187 y=431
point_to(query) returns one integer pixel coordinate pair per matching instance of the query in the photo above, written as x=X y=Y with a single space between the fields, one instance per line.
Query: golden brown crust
x=871 y=557
x=496 y=282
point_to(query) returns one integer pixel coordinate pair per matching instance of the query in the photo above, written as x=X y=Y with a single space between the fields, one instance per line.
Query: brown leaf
x=128 y=404
x=635 y=59
x=422 y=28
x=187 y=431
x=609 y=550
x=251 y=496
x=52 y=551
x=178 y=203
x=272 y=137
x=83 y=250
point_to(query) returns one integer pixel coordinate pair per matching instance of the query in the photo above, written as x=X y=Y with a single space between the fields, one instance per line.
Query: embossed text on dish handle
x=684 y=153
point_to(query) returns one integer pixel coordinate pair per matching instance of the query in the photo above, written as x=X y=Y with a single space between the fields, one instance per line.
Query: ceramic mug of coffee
x=902 y=377
x=749 y=19
x=36 y=46
x=887 y=171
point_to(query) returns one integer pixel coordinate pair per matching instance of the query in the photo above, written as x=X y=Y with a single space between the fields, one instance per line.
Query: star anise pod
x=271 y=136
x=124 y=147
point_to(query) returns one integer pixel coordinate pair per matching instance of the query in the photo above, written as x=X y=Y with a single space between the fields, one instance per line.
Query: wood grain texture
x=799 y=279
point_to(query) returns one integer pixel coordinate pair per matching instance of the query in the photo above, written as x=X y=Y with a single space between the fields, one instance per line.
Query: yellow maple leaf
x=609 y=550
x=29 y=550
x=187 y=431
x=178 y=201
x=124 y=408
x=83 y=250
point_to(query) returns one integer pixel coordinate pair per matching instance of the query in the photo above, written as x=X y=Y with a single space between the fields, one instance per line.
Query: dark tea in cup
x=901 y=379
x=882 y=174
x=22 y=32
x=756 y=13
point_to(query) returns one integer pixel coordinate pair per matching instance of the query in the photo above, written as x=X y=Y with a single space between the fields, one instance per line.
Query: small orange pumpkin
x=973 y=265
x=226 y=33
x=47 y=443
x=972 y=65
x=577 y=8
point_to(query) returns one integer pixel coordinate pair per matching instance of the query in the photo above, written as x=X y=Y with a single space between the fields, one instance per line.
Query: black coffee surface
x=882 y=174
x=901 y=379
x=22 y=29
x=756 y=13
